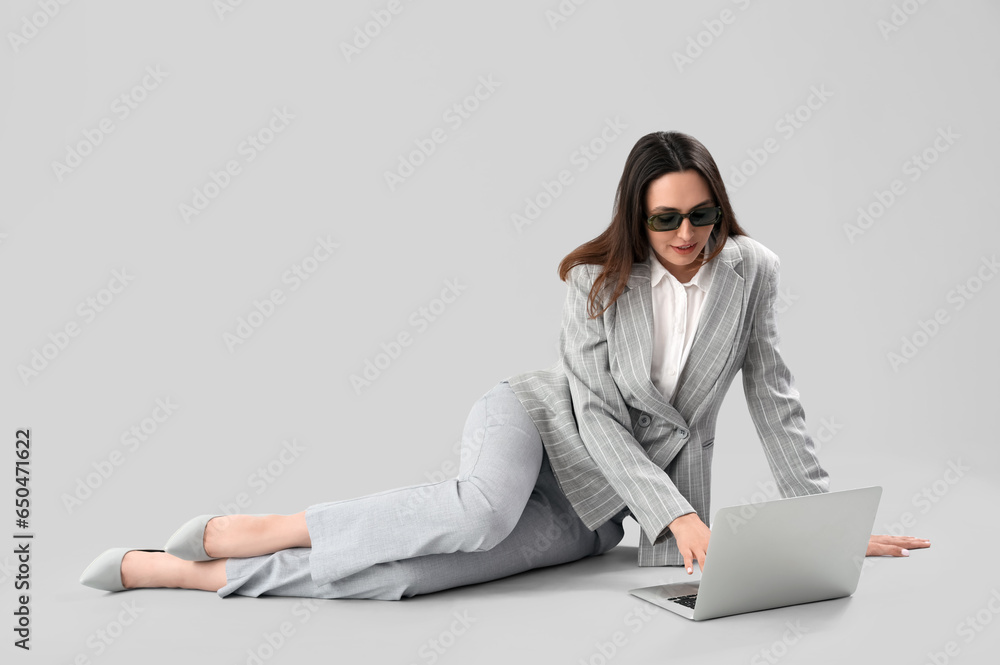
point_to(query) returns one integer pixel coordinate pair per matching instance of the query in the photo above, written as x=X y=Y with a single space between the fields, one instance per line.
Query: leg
x=226 y=536
x=501 y=457
x=252 y=535
x=547 y=533
x=482 y=473
x=162 y=570
x=246 y=535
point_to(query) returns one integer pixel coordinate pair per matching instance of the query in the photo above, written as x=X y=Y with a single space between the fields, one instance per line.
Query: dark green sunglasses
x=671 y=221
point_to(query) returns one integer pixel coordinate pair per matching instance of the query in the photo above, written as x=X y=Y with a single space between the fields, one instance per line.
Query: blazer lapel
x=711 y=347
x=714 y=340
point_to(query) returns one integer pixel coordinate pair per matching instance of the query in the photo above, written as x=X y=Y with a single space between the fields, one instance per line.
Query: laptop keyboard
x=686 y=601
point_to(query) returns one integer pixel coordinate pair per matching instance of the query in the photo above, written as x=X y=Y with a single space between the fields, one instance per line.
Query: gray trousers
x=503 y=514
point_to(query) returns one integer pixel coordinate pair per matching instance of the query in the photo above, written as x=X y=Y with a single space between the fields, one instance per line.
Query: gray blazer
x=612 y=440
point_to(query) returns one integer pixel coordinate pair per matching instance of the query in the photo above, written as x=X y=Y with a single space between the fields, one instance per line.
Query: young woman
x=662 y=310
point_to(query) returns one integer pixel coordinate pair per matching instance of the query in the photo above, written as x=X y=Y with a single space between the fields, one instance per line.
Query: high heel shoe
x=188 y=542
x=105 y=572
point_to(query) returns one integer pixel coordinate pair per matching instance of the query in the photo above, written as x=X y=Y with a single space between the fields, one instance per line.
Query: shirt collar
x=702 y=279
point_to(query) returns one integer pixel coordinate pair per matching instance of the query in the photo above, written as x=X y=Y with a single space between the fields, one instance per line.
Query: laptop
x=777 y=553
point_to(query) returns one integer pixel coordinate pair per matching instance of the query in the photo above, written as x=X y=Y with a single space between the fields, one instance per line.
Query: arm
x=780 y=420
x=646 y=488
x=774 y=404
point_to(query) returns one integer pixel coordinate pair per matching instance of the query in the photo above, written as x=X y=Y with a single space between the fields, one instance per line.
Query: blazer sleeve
x=603 y=419
x=774 y=403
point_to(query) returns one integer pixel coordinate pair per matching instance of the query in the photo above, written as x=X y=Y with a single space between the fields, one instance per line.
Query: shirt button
x=643 y=420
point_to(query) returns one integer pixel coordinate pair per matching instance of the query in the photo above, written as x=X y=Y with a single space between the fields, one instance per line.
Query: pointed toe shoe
x=105 y=572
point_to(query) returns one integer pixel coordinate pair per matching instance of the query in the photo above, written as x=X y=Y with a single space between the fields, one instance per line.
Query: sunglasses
x=671 y=221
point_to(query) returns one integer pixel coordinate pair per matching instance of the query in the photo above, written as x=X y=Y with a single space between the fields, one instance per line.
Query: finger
x=888 y=550
x=687 y=562
x=918 y=542
x=908 y=542
x=913 y=543
x=899 y=540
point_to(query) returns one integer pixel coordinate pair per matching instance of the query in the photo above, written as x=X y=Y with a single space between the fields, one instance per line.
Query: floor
x=922 y=609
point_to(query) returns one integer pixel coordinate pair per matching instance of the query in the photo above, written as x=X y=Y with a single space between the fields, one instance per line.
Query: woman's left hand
x=894 y=545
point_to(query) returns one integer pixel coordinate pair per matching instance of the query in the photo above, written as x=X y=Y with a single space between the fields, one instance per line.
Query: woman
x=553 y=460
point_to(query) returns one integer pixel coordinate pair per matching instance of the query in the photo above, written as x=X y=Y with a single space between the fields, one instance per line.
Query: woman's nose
x=686 y=230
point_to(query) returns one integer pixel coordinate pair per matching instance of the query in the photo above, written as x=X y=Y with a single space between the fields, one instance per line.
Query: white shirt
x=676 y=310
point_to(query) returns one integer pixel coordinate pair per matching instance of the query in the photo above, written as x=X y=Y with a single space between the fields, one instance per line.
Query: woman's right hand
x=692 y=537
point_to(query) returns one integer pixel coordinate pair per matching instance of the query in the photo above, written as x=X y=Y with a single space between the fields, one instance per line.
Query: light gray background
x=847 y=305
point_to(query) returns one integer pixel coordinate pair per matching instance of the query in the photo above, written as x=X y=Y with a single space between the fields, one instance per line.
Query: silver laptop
x=777 y=553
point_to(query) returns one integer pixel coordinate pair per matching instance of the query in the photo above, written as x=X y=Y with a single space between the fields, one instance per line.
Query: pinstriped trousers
x=503 y=514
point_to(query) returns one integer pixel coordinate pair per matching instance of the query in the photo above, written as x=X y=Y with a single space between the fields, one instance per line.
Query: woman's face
x=682 y=191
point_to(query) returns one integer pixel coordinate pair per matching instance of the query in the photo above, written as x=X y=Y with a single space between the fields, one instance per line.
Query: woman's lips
x=688 y=250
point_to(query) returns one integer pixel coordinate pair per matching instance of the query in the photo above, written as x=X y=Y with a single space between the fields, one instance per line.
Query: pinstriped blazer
x=613 y=441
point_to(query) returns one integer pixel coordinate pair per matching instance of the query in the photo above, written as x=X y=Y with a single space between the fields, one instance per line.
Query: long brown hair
x=625 y=242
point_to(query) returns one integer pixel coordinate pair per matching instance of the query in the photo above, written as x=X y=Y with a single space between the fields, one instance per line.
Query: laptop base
x=659 y=594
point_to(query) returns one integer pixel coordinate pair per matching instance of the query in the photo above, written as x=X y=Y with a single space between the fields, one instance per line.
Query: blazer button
x=643 y=420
